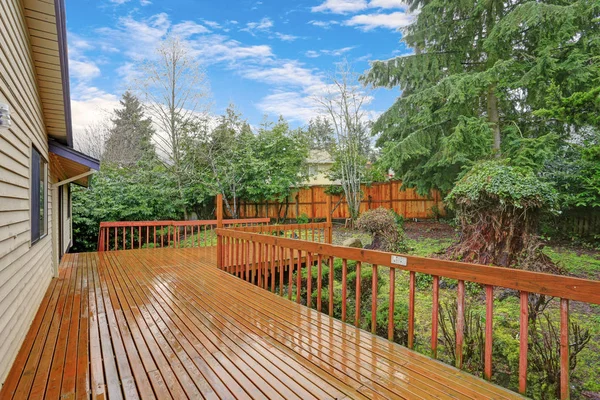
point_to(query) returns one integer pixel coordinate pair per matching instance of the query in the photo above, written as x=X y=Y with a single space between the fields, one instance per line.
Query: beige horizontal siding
x=25 y=270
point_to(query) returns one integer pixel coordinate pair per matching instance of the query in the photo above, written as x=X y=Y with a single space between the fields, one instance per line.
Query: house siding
x=25 y=270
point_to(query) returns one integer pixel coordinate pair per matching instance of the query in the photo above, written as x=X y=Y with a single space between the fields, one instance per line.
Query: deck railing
x=124 y=235
x=320 y=232
x=255 y=257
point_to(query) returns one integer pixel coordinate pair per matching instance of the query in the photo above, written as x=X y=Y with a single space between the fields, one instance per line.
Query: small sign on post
x=399 y=260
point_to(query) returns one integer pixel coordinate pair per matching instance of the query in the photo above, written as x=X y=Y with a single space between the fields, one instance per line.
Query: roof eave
x=61 y=29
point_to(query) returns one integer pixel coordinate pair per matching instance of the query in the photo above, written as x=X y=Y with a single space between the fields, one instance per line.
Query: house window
x=39 y=194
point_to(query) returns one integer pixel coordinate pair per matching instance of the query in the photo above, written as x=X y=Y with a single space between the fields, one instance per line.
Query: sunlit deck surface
x=166 y=323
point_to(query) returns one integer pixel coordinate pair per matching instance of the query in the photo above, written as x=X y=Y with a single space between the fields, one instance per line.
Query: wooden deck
x=166 y=323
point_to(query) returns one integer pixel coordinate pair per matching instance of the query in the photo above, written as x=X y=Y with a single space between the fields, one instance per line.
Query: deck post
x=219 y=225
x=329 y=238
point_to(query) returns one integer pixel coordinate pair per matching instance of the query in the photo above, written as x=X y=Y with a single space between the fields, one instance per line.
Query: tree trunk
x=494 y=118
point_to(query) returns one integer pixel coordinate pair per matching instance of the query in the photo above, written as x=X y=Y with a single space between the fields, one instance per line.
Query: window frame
x=38 y=185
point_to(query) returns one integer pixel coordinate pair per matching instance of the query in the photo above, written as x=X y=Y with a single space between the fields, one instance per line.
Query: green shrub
x=383 y=227
x=302 y=219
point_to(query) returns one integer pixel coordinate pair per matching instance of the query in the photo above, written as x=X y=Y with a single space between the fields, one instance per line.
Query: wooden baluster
x=330 y=298
x=344 y=287
x=391 y=304
x=309 y=262
x=489 y=323
x=154 y=241
x=260 y=260
x=147 y=235
x=273 y=248
x=357 y=313
x=280 y=264
x=299 y=278
x=116 y=238
x=139 y=237
x=374 y=300
x=523 y=342
x=434 y=315
x=247 y=244
x=411 y=310
x=226 y=254
x=131 y=235
x=290 y=271
x=185 y=233
x=124 y=241
x=564 y=349
x=319 y=281
x=162 y=236
x=237 y=257
x=230 y=254
x=460 y=323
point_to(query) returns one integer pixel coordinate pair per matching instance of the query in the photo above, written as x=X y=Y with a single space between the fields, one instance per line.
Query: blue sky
x=268 y=57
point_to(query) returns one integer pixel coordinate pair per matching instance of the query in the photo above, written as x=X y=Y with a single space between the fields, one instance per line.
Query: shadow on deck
x=166 y=323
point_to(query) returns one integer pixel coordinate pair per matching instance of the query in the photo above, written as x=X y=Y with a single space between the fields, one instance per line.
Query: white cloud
x=83 y=70
x=323 y=24
x=368 y=22
x=341 y=6
x=90 y=105
x=291 y=105
x=285 y=37
x=261 y=26
x=388 y=4
x=213 y=24
x=186 y=29
x=287 y=73
x=334 y=53
x=145 y=3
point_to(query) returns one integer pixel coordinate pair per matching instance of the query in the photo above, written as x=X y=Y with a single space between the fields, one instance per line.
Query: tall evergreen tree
x=480 y=71
x=130 y=138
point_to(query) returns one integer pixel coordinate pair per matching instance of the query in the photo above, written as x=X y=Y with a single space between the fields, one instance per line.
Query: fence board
x=312 y=202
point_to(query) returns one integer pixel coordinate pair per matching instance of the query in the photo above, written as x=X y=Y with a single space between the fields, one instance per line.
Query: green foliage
x=383 y=226
x=498 y=182
x=334 y=190
x=524 y=75
x=278 y=165
x=302 y=219
x=117 y=194
x=130 y=139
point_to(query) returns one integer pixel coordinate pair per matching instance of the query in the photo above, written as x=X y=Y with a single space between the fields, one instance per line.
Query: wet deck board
x=166 y=323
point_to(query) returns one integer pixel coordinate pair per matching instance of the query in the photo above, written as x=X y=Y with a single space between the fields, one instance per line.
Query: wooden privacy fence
x=265 y=255
x=125 y=235
x=312 y=202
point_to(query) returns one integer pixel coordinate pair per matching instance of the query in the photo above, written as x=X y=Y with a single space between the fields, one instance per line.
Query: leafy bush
x=302 y=219
x=122 y=195
x=383 y=227
x=498 y=207
x=490 y=183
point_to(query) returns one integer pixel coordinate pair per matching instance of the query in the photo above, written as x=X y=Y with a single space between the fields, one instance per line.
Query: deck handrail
x=234 y=257
x=313 y=232
x=123 y=235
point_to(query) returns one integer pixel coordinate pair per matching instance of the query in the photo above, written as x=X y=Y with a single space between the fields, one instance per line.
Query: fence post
x=329 y=223
x=219 y=225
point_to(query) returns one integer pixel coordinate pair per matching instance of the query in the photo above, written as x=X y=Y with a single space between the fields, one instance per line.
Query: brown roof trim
x=61 y=30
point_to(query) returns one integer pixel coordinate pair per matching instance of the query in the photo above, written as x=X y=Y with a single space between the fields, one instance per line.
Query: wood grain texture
x=167 y=323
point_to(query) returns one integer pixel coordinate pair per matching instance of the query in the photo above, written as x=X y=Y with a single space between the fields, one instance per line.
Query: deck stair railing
x=262 y=258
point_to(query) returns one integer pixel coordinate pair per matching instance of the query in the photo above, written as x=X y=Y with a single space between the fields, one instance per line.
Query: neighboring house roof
x=48 y=37
x=319 y=157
